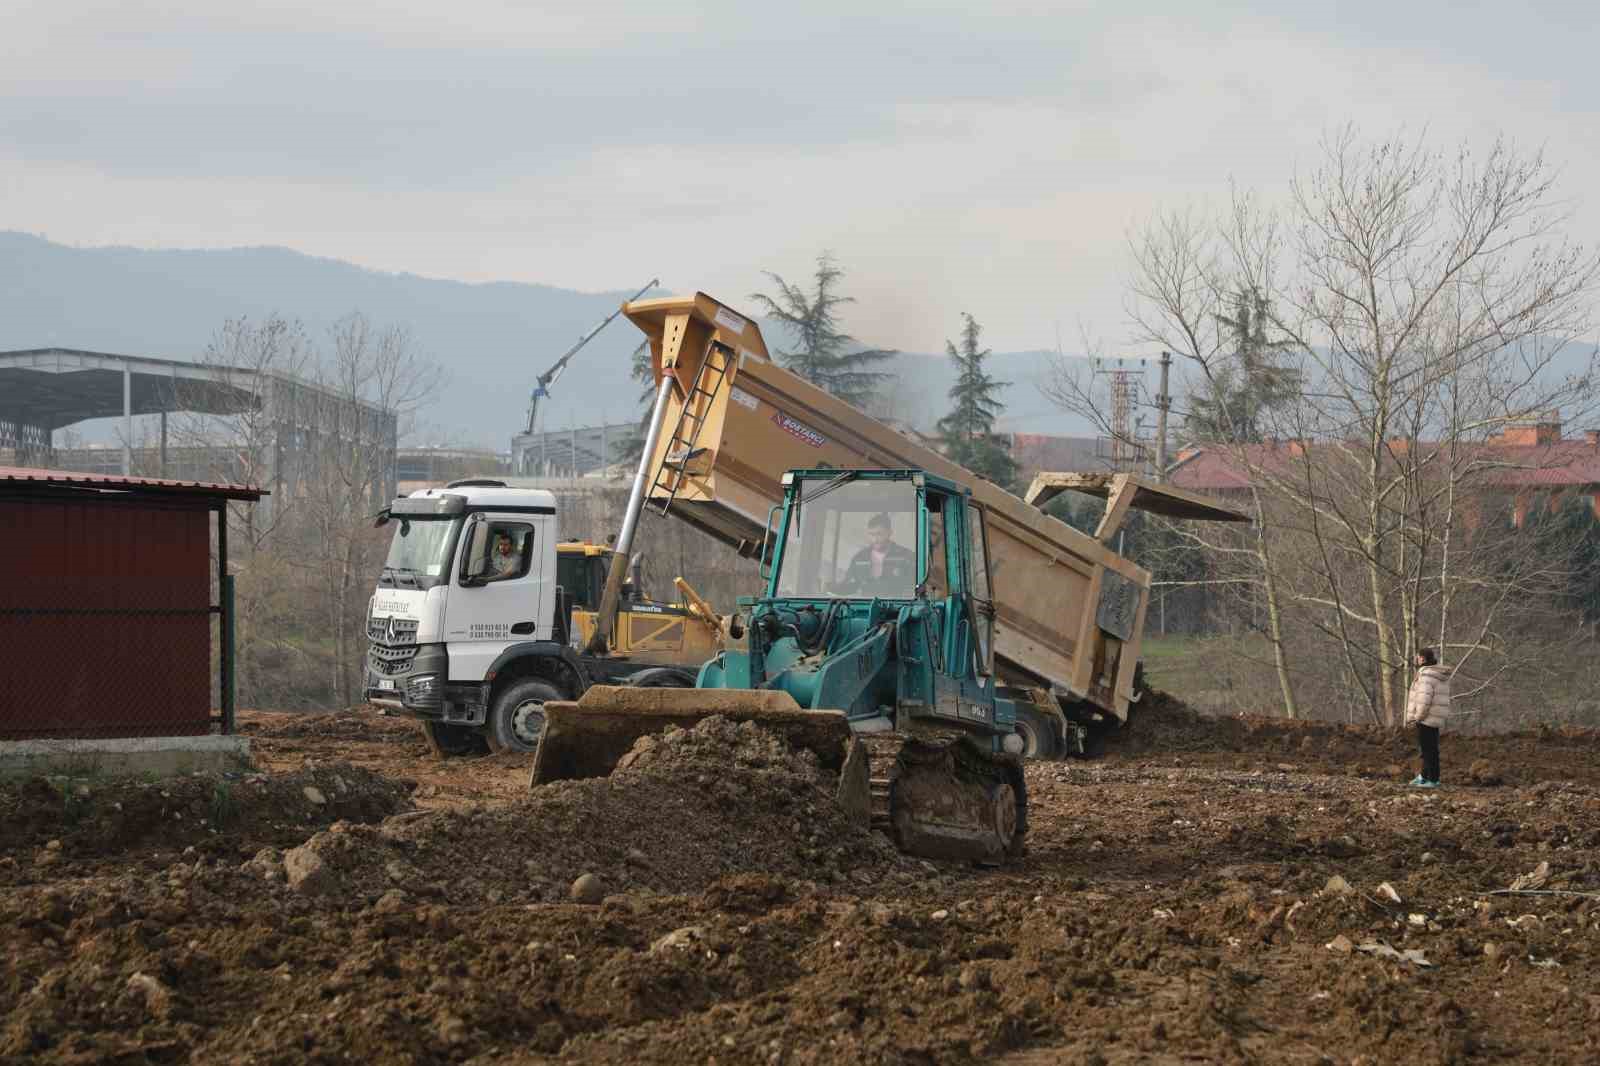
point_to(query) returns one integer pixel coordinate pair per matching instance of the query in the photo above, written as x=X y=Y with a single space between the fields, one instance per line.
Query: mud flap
x=590 y=737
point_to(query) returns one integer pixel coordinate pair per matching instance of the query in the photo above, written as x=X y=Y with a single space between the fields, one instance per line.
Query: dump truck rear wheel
x=1038 y=734
x=660 y=677
x=446 y=740
x=517 y=717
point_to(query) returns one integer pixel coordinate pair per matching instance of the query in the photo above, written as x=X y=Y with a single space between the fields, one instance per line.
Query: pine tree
x=1244 y=390
x=826 y=356
x=968 y=430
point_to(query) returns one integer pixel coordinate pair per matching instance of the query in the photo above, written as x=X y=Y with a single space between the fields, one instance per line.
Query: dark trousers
x=1428 y=741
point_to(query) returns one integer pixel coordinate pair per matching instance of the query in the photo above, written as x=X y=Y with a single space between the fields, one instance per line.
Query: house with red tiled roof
x=1525 y=460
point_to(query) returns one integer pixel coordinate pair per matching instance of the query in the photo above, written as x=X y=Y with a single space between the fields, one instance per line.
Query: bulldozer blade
x=588 y=738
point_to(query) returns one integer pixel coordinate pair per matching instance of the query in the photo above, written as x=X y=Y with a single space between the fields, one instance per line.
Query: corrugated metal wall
x=105 y=621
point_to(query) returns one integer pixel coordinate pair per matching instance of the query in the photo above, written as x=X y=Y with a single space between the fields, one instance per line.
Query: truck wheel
x=1038 y=734
x=517 y=717
x=660 y=677
x=445 y=740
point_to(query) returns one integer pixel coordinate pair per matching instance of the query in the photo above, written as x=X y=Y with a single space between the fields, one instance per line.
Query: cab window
x=498 y=551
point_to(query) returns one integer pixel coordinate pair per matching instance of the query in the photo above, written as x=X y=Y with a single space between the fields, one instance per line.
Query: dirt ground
x=1210 y=890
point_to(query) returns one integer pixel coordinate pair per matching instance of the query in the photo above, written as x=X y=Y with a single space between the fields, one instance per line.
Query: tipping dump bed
x=1070 y=610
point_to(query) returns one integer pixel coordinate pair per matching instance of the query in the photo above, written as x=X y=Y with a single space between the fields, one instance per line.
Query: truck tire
x=660 y=677
x=517 y=717
x=1038 y=733
x=445 y=740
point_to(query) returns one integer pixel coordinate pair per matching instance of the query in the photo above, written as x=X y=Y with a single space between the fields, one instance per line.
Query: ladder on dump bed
x=672 y=473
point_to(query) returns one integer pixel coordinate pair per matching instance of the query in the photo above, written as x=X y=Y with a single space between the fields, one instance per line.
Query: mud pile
x=682 y=810
x=50 y=827
x=1168 y=910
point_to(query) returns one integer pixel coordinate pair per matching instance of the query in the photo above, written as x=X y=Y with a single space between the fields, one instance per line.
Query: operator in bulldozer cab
x=881 y=567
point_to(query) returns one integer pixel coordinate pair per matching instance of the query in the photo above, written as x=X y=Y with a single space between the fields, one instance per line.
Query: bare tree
x=370 y=387
x=229 y=432
x=1186 y=271
x=1430 y=296
x=242 y=439
x=1428 y=304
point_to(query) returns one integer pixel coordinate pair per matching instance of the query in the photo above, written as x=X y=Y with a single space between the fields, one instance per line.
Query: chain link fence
x=112 y=657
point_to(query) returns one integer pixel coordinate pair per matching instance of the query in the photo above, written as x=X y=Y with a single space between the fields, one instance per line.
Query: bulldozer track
x=962 y=803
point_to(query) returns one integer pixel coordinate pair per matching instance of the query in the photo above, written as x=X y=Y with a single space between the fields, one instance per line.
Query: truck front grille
x=387 y=661
x=395 y=632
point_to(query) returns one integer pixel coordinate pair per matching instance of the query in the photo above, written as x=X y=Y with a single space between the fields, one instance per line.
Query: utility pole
x=1163 y=405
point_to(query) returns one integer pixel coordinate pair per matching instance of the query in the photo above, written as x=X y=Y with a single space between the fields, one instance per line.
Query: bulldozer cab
x=890 y=535
x=848 y=536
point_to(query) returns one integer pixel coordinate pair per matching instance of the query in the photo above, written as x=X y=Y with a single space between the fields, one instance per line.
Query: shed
x=109 y=599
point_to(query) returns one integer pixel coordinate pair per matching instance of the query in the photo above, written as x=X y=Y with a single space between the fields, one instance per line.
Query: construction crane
x=542 y=384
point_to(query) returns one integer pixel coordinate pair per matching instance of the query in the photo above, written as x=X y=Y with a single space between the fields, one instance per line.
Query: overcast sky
x=982 y=157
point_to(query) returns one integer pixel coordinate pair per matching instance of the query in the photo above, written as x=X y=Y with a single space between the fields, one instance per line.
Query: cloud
x=955 y=158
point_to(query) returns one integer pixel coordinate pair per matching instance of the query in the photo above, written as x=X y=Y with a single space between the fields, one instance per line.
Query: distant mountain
x=494 y=338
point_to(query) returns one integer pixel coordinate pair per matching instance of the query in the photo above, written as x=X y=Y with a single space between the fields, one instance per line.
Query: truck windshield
x=855 y=538
x=419 y=554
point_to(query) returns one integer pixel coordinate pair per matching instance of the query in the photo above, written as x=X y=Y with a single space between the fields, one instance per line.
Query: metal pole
x=1163 y=405
x=127 y=420
x=163 y=443
x=630 y=520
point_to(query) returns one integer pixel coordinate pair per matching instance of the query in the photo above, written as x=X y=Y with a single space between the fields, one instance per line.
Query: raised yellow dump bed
x=1070 y=609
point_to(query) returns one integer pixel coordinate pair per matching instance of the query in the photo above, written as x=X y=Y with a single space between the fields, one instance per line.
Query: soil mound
x=1162 y=722
x=684 y=809
x=53 y=825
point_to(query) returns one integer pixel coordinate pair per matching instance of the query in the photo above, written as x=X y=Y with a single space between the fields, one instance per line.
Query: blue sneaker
x=1419 y=782
x=1429 y=784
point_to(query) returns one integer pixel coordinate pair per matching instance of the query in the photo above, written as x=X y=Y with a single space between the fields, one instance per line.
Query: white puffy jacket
x=1428 y=702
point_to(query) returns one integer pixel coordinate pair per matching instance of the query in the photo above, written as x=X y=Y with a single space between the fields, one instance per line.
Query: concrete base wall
x=162 y=756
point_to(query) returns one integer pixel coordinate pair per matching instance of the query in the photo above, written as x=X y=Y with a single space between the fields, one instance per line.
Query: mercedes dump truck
x=482 y=614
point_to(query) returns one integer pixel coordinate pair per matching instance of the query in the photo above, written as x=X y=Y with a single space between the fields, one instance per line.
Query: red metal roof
x=13 y=475
x=1569 y=464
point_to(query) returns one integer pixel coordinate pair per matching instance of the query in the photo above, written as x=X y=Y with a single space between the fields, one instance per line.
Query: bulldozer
x=992 y=629
x=873 y=647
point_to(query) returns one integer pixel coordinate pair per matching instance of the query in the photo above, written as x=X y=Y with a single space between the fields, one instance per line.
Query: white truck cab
x=463 y=629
